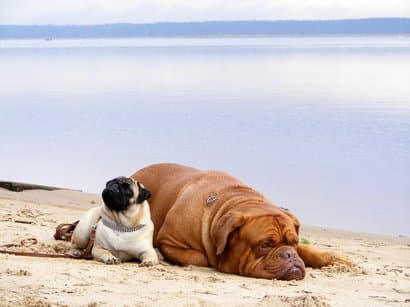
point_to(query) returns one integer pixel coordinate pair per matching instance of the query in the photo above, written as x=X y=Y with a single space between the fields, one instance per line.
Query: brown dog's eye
x=264 y=247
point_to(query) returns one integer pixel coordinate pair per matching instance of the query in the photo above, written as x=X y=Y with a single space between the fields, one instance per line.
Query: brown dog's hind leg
x=317 y=258
x=183 y=256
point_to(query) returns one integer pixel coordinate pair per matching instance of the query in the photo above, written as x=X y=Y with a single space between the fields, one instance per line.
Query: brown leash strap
x=63 y=232
x=26 y=243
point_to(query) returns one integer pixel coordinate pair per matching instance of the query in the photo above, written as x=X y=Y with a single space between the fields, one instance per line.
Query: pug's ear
x=143 y=193
x=223 y=228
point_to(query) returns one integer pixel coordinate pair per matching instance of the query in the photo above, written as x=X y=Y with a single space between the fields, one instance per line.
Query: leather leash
x=63 y=232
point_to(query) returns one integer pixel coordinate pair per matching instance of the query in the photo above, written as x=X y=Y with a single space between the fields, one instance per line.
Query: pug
x=124 y=229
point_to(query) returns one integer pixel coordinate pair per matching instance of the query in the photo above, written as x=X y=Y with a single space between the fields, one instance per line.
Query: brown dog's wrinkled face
x=260 y=246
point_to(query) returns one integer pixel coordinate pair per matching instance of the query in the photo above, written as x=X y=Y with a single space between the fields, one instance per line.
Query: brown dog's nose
x=288 y=254
x=293 y=266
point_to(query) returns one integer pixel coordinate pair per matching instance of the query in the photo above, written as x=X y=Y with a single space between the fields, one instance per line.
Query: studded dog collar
x=112 y=225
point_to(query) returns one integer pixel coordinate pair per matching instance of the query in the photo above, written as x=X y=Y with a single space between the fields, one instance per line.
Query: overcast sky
x=146 y=11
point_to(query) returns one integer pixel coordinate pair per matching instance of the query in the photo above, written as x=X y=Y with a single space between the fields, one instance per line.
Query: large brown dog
x=209 y=218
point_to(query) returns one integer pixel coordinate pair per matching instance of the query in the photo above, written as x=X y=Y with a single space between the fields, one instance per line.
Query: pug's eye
x=264 y=247
x=124 y=185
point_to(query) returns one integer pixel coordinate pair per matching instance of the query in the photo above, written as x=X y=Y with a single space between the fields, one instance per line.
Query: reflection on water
x=319 y=125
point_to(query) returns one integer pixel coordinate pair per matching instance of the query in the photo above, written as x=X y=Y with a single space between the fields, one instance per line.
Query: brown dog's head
x=258 y=243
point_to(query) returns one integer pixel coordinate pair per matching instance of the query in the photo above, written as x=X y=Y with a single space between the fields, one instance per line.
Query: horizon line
x=206 y=21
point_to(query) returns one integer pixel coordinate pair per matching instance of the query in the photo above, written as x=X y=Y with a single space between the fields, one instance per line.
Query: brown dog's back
x=157 y=179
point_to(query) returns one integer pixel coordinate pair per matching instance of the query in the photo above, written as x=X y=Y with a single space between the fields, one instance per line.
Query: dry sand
x=381 y=276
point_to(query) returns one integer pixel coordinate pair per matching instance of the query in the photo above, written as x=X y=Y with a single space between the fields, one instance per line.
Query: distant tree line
x=212 y=28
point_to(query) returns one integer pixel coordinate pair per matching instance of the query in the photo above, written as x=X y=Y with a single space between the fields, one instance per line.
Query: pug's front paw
x=112 y=260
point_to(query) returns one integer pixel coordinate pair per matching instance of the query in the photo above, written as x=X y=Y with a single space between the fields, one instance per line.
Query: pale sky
x=147 y=11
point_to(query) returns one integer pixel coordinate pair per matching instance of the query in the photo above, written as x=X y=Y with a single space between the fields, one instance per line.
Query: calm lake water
x=319 y=125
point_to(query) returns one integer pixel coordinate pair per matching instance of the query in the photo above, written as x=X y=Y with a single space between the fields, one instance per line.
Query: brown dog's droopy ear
x=223 y=228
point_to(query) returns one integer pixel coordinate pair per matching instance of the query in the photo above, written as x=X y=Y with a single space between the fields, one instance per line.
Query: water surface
x=319 y=125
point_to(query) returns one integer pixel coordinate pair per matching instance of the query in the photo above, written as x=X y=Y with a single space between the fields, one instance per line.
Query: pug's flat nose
x=106 y=192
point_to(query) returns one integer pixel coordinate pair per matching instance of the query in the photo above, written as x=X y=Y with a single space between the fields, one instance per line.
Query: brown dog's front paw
x=341 y=259
x=113 y=260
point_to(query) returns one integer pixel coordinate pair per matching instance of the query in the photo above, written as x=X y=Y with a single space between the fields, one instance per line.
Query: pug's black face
x=122 y=192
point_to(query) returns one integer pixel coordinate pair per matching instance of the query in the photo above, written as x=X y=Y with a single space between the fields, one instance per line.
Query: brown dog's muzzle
x=284 y=264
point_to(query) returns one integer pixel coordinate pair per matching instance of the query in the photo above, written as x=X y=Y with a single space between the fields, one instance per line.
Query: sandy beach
x=381 y=276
